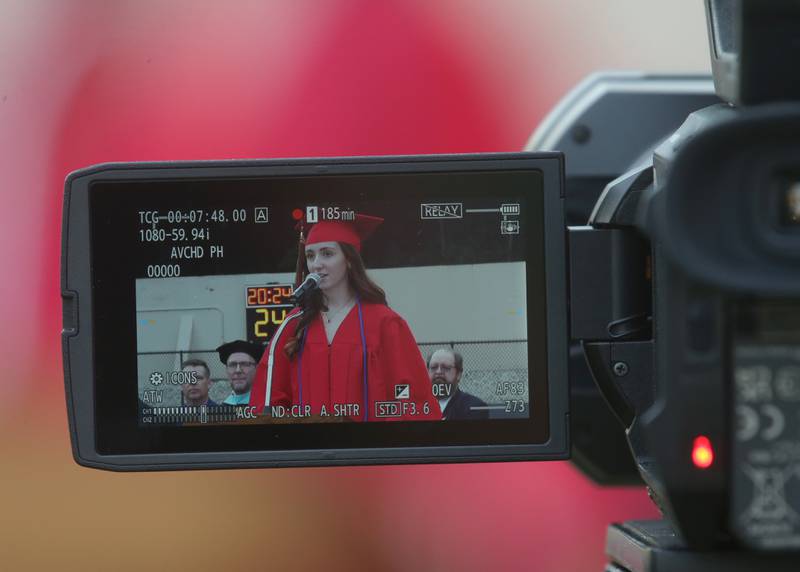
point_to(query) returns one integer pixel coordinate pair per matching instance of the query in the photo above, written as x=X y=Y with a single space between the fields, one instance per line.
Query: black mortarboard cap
x=251 y=349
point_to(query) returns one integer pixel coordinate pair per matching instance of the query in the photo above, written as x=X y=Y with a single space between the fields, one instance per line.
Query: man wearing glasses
x=240 y=359
x=445 y=367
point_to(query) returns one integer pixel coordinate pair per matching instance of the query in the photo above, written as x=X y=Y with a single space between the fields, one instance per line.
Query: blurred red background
x=84 y=82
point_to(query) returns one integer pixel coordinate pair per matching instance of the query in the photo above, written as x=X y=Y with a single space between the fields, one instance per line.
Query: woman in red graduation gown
x=348 y=350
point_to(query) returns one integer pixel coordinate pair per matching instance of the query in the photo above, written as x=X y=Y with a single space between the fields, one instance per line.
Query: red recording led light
x=297 y=214
x=702 y=452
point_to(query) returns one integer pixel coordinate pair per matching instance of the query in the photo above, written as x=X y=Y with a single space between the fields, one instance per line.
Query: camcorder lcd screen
x=319 y=311
x=443 y=280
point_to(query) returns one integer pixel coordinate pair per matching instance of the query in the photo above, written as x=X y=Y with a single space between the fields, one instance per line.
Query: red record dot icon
x=297 y=214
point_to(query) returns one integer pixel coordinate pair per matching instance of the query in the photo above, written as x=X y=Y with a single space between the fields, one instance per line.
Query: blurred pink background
x=83 y=82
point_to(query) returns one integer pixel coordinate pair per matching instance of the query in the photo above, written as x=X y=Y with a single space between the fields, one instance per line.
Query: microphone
x=310 y=284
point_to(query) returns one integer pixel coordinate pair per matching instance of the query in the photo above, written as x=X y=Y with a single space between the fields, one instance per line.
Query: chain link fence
x=494 y=371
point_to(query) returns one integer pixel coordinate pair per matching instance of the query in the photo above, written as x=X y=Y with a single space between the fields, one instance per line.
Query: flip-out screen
x=390 y=305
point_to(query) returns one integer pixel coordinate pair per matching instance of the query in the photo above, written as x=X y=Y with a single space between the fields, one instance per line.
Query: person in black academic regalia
x=240 y=358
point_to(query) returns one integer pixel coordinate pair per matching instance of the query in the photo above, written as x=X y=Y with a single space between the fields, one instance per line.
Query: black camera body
x=724 y=305
x=691 y=335
x=660 y=276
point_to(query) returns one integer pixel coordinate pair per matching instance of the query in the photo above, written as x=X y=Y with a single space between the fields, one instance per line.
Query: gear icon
x=156 y=378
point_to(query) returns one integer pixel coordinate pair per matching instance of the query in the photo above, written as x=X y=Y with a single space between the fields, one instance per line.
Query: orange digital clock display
x=265 y=308
x=277 y=295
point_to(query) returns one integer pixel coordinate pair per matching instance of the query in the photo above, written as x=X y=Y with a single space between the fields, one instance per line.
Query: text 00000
x=163 y=270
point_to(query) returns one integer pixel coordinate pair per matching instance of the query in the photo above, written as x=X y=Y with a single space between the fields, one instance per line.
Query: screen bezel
x=117 y=435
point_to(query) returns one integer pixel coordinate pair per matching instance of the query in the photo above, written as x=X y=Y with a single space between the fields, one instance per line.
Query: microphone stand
x=271 y=354
x=298 y=300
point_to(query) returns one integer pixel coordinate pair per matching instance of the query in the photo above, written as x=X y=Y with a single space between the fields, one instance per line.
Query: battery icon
x=312 y=214
x=509 y=209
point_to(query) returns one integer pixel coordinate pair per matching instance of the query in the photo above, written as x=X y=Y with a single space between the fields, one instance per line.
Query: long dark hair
x=366 y=290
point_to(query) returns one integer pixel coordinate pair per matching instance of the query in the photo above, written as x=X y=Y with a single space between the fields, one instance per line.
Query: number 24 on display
x=269 y=316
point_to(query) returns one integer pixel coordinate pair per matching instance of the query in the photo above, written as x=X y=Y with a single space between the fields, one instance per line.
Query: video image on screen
x=410 y=311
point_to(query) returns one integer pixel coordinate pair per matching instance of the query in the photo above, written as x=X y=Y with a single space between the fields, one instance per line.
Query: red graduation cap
x=350 y=232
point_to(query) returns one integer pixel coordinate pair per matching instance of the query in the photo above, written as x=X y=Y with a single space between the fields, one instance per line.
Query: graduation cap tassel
x=300 y=268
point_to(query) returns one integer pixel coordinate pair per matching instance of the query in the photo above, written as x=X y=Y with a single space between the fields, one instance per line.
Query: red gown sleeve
x=401 y=363
x=281 y=379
